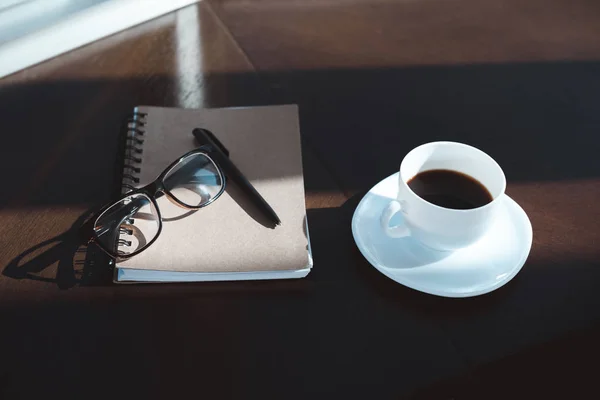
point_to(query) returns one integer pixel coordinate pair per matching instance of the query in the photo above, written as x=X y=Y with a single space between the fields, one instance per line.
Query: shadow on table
x=537 y=119
x=544 y=278
x=341 y=261
x=73 y=261
x=532 y=336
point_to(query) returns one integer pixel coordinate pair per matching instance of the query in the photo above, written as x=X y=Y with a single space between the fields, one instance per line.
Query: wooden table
x=373 y=79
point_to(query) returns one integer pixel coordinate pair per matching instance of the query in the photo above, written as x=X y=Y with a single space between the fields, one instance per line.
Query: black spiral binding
x=134 y=139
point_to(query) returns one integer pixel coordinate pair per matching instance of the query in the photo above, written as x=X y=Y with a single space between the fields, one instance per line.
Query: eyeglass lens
x=195 y=181
x=128 y=226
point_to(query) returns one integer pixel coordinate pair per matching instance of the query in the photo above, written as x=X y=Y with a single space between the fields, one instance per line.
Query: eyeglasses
x=131 y=224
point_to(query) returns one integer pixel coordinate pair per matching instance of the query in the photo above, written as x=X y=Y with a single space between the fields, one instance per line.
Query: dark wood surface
x=521 y=80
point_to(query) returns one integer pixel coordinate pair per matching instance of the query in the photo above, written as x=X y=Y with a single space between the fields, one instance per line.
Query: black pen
x=204 y=136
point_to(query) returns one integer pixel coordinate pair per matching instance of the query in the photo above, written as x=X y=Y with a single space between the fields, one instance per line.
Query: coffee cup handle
x=397 y=231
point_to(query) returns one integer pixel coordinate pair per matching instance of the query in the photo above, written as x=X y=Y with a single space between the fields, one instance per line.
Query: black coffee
x=450 y=189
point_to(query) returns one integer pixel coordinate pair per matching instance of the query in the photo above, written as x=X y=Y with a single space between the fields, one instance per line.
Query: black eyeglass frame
x=152 y=191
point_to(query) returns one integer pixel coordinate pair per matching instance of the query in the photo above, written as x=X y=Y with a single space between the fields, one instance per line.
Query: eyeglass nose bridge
x=154 y=188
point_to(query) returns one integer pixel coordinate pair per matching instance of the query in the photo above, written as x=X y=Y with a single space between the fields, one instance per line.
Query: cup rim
x=454 y=210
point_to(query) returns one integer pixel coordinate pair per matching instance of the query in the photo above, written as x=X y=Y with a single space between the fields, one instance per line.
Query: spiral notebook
x=226 y=240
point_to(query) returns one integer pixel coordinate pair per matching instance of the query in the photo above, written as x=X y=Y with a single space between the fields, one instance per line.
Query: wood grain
x=521 y=80
x=293 y=34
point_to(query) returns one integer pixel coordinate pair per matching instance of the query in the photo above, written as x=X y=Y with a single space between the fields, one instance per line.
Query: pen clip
x=207 y=137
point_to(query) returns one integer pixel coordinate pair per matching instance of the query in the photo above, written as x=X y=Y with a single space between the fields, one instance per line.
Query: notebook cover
x=229 y=235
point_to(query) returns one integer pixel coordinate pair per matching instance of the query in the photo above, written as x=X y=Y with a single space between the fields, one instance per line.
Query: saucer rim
x=525 y=250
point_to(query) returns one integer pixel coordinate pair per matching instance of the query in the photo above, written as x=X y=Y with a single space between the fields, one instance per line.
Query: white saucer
x=480 y=268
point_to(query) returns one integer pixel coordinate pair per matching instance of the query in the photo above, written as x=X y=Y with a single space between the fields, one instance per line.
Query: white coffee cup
x=438 y=227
